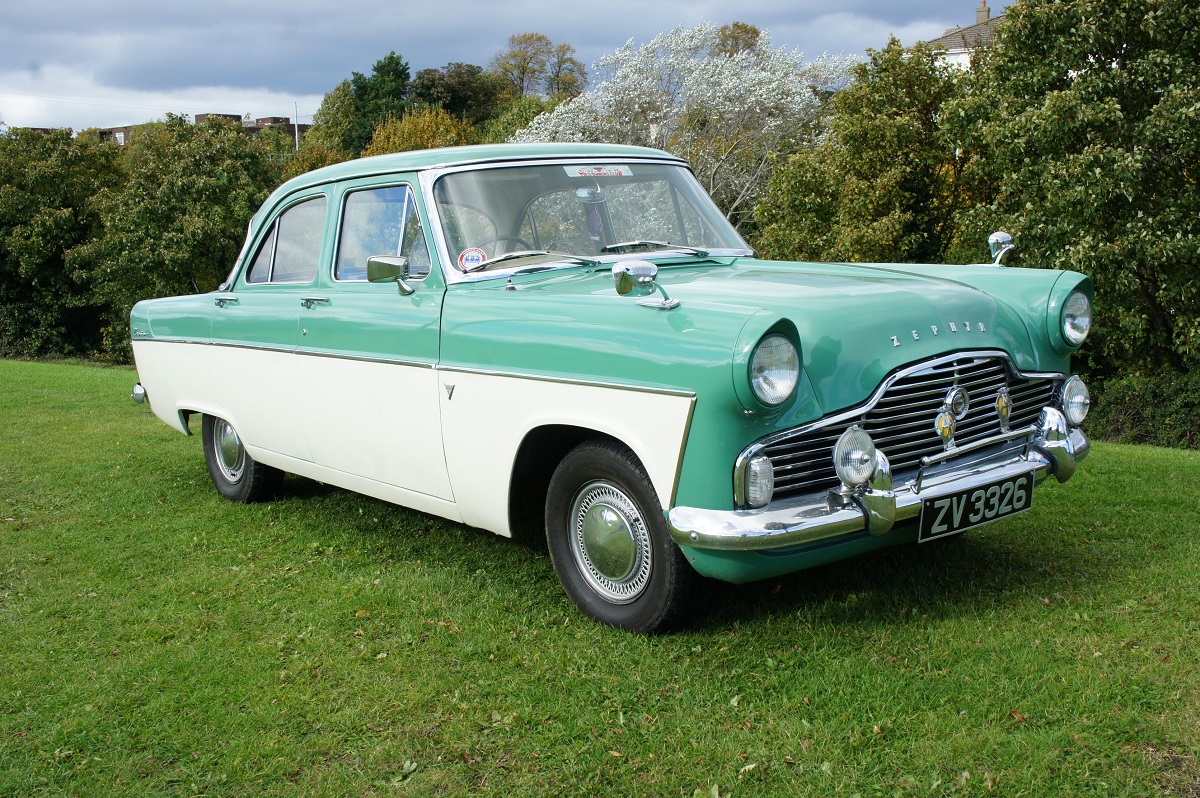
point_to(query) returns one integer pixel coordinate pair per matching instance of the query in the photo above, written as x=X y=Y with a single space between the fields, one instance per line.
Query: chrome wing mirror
x=1000 y=243
x=637 y=278
x=389 y=269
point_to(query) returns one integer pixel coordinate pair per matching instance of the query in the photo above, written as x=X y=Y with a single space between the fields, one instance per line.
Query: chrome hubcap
x=610 y=542
x=231 y=456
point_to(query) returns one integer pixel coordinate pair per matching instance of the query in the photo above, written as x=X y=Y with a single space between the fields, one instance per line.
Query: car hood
x=857 y=323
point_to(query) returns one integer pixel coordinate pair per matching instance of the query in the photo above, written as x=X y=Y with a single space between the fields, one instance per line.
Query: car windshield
x=587 y=211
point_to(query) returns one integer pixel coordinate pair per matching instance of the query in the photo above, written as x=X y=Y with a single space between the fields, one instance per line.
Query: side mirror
x=1000 y=244
x=634 y=277
x=389 y=269
x=637 y=278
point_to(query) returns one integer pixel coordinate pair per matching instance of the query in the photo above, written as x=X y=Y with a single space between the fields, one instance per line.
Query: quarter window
x=292 y=248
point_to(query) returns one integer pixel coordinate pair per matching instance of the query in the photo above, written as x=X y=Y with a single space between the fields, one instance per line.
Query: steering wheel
x=525 y=244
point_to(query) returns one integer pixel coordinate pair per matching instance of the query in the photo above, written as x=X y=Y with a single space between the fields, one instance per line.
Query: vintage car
x=572 y=337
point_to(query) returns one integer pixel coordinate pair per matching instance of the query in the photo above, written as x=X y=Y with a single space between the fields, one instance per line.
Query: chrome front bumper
x=1050 y=447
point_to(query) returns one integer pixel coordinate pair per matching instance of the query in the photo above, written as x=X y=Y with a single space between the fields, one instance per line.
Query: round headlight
x=774 y=369
x=1076 y=318
x=854 y=457
x=1075 y=401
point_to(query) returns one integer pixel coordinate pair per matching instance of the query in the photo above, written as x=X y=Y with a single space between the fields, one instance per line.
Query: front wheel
x=236 y=474
x=609 y=543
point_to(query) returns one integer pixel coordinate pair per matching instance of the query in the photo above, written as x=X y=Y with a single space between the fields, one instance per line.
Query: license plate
x=948 y=515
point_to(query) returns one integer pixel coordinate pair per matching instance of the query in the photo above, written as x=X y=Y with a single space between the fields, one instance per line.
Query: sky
x=69 y=63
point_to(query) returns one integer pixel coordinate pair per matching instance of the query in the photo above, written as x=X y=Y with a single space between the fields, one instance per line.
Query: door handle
x=221 y=301
x=309 y=301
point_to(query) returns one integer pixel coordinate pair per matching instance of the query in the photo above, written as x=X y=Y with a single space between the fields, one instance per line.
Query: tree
x=513 y=116
x=1087 y=113
x=888 y=180
x=737 y=37
x=333 y=123
x=420 y=129
x=383 y=94
x=524 y=62
x=463 y=90
x=727 y=115
x=177 y=224
x=47 y=185
x=565 y=74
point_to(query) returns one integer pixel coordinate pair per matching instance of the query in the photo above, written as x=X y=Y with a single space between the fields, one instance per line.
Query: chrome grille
x=901 y=421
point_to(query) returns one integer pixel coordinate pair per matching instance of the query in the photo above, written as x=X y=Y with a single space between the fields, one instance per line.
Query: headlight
x=1076 y=318
x=1075 y=401
x=854 y=457
x=774 y=369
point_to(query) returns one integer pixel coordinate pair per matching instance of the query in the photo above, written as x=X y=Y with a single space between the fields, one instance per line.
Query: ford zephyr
x=571 y=337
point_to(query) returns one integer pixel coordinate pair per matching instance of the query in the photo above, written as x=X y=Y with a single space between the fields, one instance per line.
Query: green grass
x=156 y=639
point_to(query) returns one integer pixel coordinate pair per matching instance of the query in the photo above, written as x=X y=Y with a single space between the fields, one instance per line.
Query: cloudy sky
x=67 y=63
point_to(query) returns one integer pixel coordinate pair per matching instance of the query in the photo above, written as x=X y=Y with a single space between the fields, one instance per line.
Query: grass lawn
x=156 y=639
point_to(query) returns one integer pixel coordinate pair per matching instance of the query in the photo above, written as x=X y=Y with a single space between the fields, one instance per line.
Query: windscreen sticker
x=598 y=171
x=471 y=257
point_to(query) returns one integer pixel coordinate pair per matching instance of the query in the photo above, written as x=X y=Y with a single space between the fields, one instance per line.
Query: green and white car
x=572 y=336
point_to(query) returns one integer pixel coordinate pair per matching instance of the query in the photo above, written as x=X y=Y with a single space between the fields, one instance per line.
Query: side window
x=380 y=221
x=290 y=251
x=298 y=245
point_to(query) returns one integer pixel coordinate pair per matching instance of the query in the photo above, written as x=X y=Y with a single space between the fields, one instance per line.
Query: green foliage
x=738 y=37
x=333 y=123
x=1089 y=114
x=312 y=156
x=420 y=129
x=177 y=224
x=384 y=94
x=513 y=116
x=47 y=182
x=1161 y=408
x=463 y=90
x=888 y=179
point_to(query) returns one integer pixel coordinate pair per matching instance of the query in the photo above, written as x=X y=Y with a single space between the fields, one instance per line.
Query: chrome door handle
x=222 y=300
x=309 y=301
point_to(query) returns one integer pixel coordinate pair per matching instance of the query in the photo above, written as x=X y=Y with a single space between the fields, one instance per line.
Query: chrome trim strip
x=298 y=352
x=687 y=430
x=973 y=446
x=569 y=381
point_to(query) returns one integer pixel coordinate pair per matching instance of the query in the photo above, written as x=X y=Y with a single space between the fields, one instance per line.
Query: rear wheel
x=609 y=543
x=236 y=474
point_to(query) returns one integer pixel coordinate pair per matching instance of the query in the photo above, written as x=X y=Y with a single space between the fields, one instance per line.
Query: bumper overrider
x=1051 y=447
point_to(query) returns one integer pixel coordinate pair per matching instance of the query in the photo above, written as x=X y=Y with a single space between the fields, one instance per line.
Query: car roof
x=417 y=160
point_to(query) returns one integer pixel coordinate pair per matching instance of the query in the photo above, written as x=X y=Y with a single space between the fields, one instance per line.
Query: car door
x=367 y=351
x=257 y=325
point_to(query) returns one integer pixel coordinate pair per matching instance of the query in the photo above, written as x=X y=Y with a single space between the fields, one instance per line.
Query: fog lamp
x=760 y=481
x=854 y=457
x=1075 y=401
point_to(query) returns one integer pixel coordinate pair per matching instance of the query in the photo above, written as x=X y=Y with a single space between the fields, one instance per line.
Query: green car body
x=616 y=391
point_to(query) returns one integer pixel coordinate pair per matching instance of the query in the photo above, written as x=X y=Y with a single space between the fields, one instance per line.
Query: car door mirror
x=389 y=269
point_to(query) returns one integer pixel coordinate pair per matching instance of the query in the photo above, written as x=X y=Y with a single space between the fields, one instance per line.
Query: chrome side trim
x=687 y=431
x=569 y=381
x=387 y=361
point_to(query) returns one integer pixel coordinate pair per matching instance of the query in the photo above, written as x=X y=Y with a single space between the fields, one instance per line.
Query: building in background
x=960 y=42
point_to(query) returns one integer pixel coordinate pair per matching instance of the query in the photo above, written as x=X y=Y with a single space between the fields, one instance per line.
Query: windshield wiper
x=528 y=253
x=703 y=253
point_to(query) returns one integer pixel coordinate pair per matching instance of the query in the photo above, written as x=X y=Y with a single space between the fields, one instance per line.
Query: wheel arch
x=540 y=452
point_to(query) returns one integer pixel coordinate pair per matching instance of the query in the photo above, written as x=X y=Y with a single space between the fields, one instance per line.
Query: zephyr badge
x=951 y=326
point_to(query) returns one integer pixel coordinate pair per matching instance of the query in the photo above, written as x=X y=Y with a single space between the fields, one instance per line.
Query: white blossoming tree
x=727 y=113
